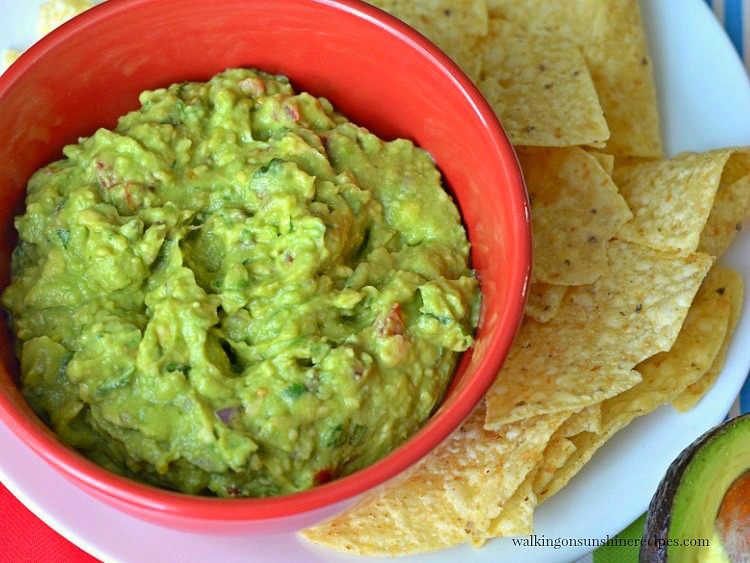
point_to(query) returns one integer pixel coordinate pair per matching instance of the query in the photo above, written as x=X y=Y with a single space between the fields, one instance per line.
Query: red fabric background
x=24 y=537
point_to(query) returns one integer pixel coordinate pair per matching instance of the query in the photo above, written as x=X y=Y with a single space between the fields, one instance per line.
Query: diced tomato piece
x=392 y=323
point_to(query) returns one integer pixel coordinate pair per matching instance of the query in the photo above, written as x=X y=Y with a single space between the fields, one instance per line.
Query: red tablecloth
x=24 y=537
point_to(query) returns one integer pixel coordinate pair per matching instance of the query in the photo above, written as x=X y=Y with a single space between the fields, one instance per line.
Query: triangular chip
x=575 y=210
x=585 y=354
x=729 y=285
x=450 y=497
x=665 y=375
x=612 y=39
x=540 y=89
x=671 y=199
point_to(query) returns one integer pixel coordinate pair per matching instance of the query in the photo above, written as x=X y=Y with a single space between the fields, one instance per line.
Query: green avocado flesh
x=237 y=291
x=716 y=464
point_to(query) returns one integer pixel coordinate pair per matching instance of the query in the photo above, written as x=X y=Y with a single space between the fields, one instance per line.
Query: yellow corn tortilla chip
x=453 y=25
x=623 y=161
x=612 y=39
x=54 y=13
x=729 y=283
x=450 y=497
x=561 y=448
x=665 y=376
x=585 y=445
x=575 y=210
x=671 y=199
x=731 y=206
x=540 y=89
x=558 y=451
x=443 y=15
x=517 y=515
x=588 y=419
x=544 y=300
x=7 y=58
x=606 y=161
x=586 y=353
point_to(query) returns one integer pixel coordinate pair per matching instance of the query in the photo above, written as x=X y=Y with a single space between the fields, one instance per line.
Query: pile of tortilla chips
x=627 y=310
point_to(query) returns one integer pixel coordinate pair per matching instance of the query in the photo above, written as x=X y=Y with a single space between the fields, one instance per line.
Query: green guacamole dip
x=238 y=291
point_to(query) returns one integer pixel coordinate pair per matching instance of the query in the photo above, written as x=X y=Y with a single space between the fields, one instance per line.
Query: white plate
x=705 y=103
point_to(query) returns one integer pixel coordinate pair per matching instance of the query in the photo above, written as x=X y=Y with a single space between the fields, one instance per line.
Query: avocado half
x=687 y=502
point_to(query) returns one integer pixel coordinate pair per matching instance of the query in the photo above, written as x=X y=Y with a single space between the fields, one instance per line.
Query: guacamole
x=237 y=291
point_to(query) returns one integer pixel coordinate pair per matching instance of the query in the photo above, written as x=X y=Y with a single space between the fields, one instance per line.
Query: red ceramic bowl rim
x=151 y=499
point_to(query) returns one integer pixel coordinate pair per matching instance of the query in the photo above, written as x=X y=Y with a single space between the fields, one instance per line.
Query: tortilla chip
x=606 y=161
x=612 y=39
x=730 y=285
x=439 y=15
x=585 y=445
x=731 y=206
x=575 y=210
x=517 y=515
x=453 y=25
x=623 y=161
x=540 y=88
x=558 y=451
x=544 y=300
x=671 y=199
x=561 y=448
x=588 y=419
x=665 y=375
x=586 y=353
x=54 y=13
x=450 y=497
x=7 y=58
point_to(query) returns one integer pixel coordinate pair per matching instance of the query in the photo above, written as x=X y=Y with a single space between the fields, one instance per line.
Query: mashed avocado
x=237 y=291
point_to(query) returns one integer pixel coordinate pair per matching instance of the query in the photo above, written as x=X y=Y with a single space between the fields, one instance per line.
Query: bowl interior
x=374 y=69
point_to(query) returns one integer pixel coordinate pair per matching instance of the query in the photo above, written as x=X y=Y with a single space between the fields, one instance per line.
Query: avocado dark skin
x=658 y=517
x=656 y=532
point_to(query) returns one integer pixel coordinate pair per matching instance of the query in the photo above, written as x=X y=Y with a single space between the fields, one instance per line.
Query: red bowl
x=377 y=71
